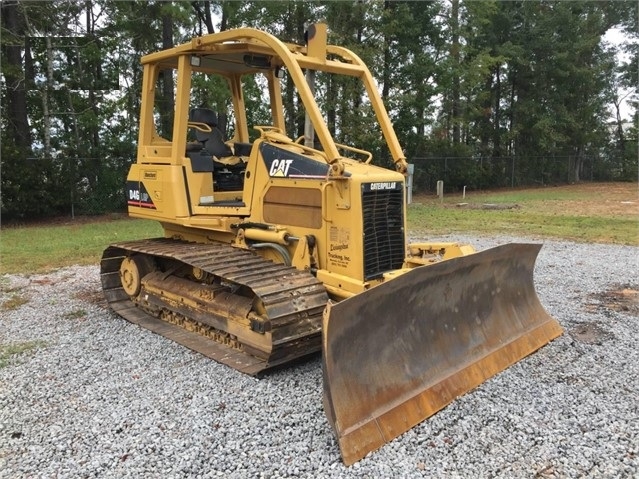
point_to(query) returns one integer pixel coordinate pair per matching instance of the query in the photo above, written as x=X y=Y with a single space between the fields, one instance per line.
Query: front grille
x=383 y=209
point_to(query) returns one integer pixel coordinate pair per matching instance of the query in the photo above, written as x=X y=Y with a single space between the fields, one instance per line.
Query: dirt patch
x=604 y=207
x=600 y=199
x=92 y=297
x=487 y=206
x=590 y=333
x=622 y=298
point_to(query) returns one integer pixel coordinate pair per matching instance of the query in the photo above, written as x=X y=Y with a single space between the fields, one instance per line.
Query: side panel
x=156 y=192
x=300 y=206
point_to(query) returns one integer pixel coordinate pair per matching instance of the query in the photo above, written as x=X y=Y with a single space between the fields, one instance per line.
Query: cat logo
x=280 y=168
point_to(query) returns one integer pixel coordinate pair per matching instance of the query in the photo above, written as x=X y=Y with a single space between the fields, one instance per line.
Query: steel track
x=293 y=300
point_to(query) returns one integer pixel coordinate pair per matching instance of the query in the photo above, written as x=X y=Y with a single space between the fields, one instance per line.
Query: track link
x=281 y=323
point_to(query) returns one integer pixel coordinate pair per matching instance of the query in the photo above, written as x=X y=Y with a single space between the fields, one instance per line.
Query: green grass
x=76 y=314
x=34 y=249
x=14 y=302
x=8 y=351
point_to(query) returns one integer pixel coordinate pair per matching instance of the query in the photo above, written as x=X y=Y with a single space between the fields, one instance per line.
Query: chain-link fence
x=483 y=173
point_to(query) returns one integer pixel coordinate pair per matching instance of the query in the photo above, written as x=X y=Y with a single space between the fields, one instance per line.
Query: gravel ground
x=96 y=396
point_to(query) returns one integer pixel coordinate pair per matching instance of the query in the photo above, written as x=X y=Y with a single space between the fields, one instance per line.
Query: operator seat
x=206 y=154
x=212 y=141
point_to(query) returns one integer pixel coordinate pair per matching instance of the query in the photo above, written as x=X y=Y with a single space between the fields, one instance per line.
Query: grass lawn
x=40 y=248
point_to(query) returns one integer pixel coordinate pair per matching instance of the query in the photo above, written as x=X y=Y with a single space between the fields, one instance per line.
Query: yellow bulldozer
x=276 y=248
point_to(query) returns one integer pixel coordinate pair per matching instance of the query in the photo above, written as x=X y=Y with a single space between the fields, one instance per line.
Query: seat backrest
x=206 y=116
x=213 y=140
x=203 y=115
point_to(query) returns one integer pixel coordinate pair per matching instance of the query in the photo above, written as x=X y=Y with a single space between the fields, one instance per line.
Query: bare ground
x=602 y=199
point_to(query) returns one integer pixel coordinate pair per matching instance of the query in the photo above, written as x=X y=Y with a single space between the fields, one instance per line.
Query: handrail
x=200 y=126
x=367 y=154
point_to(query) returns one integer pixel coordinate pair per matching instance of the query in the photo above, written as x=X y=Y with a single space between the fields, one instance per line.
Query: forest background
x=482 y=93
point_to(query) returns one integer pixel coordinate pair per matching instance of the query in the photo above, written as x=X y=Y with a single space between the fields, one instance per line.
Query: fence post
x=409 y=183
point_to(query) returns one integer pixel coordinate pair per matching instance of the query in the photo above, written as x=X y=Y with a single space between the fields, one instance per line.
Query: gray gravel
x=99 y=397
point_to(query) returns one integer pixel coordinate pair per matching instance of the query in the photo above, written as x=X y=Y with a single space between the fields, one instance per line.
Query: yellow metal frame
x=294 y=58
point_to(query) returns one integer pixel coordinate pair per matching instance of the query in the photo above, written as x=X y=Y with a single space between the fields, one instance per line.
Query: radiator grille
x=384 y=244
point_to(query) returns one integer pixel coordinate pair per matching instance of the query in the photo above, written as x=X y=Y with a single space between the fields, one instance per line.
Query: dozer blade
x=400 y=352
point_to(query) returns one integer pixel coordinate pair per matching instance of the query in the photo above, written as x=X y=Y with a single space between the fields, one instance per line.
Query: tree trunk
x=455 y=110
x=203 y=12
x=621 y=139
x=497 y=116
x=18 y=121
x=578 y=165
x=289 y=93
x=225 y=16
x=78 y=149
x=207 y=17
x=94 y=137
x=511 y=116
x=486 y=114
x=357 y=100
x=45 y=100
x=166 y=105
x=300 y=20
x=387 y=59
x=331 y=113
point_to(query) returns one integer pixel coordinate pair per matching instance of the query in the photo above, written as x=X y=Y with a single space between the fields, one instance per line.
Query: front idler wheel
x=132 y=270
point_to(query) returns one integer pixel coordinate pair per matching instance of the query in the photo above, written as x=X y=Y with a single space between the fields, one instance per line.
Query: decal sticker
x=340 y=235
x=381 y=186
x=137 y=195
x=282 y=163
x=280 y=168
x=339 y=242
